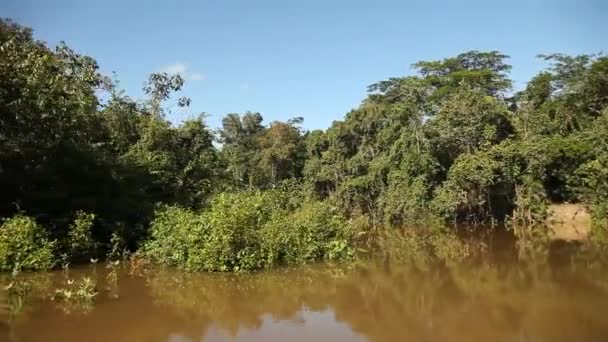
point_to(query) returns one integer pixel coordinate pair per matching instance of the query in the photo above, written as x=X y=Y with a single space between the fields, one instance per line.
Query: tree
x=281 y=152
x=49 y=127
x=485 y=71
x=239 y=138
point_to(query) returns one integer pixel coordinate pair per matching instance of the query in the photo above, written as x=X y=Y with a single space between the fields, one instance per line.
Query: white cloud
x=183 y=70
x=195 y=76
x=176 y=68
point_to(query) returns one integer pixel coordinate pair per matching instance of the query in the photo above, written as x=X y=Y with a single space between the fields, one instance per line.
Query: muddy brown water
x=361 y=302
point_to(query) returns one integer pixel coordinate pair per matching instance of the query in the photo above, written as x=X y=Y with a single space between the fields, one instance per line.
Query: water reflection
x=326 y=303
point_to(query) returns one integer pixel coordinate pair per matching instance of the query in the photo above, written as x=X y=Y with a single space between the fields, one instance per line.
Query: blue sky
x=310 y=58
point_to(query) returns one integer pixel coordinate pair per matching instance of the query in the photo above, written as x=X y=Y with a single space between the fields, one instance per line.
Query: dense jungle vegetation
x=87 y=171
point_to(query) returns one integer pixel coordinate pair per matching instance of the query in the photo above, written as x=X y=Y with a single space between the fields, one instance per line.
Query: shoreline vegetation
x=422 y=164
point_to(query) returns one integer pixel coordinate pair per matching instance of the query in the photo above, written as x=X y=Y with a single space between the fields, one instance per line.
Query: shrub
x=24 y=245
x=478 y=187
x=247 y=231
x=223 y=238
x=405 y=200
x=528 y=220
x=172 y=233
x=80 y=244
x=232 y=240
x=594 y=175
x=314 y=232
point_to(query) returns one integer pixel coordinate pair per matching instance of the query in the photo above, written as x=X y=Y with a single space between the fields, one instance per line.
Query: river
x=357 y=302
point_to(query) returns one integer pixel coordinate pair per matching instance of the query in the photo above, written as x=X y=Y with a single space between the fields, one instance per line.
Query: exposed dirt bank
x=570 y=222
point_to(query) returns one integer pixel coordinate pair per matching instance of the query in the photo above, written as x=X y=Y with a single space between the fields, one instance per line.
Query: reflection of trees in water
x=388 y=304
x=478 y=302
x=17 y=294
x=239 y=301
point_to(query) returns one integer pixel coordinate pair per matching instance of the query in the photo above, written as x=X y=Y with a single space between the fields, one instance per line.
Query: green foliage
x=281 y=152
x=445 y=143
x=595 y=179
x=258 y=156
x=48 y=125
x=24 y=245
x=531 y=204
x=247 y=231
x=466 y=122
x=389 y=157
x=83 y=291
x=63 y=149
x=528 y=219
x=80 y=243
x=314 y=232
x=486 y=71
x=226 y=237
x=448 y=142
x=170 y=234
x=232 y=241
x=76 y=296
x=405 y=200
x=473 y=183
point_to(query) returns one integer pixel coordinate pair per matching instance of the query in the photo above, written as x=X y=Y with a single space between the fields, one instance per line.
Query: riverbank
x=569 y=222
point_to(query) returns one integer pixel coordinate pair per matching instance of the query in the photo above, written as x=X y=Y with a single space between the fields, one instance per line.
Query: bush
x=226 y=237
x=231 y=241
x=595 y=180
x=172 y=233
x=247 y=231
x=24 y=245
x=314 y=232
x=80 y=244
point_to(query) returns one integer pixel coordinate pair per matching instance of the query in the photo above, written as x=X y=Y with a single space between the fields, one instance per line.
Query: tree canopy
x=452 y=142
